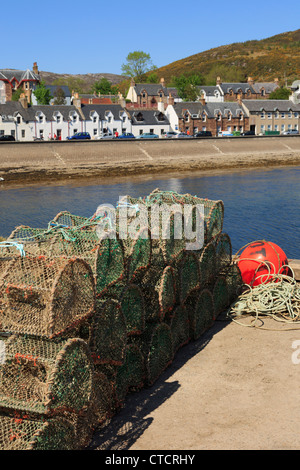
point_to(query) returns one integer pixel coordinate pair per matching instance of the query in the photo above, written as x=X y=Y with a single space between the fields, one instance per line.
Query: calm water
x=258 y=204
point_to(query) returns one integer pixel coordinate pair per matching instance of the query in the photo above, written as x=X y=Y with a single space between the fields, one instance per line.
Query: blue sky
x=71 y=36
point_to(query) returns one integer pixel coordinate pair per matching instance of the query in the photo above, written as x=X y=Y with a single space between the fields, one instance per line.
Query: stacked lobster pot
x=94 y=308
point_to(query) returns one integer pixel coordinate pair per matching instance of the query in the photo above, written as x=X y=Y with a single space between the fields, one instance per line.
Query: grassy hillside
x=264 y=60
x=81 y=82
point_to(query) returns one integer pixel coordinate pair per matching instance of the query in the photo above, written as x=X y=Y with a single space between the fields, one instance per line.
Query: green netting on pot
x=161 y=296
x=157 y=348
x=22 y=433
x=220 y=295
x=131 y=375
x=108 y=333
x=103 y=253
x=208 y=264
x=137 y=254
x=46 y=376
x=179 y=325
x=133 y=307
x=190 y=275
x=44 y=296
x=201 y=313
x=172 y=240
x=223 y=251
x=234 y=282
x=67 y=219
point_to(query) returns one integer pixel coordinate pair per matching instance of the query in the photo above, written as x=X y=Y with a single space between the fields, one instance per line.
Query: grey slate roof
x=268 y=86
x=236 y=87
x=150 y=117
x=101 y=109
x=10 y=108
x=153 y=89
x=211 y=108
x=209 y=90
x=19 y=75
x=270 y=105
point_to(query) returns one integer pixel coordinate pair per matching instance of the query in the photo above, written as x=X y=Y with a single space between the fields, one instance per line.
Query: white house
x=105 y=119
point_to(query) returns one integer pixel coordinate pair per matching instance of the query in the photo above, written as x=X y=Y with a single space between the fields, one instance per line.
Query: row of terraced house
x=153 y=108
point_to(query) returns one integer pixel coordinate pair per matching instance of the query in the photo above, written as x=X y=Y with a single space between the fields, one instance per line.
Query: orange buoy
x=260 y=260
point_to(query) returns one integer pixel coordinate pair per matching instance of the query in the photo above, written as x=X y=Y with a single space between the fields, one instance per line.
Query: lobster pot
x=104 y=254
x=157 y=348
x=220 y=295
x=212 y=211
x=179 y=325
x=234 y=282
x=190 y=275
x=45 y=376
x=19 y=432
x=208 y=264
x=200 y=308
x=223 y=252
x=131 y=375
x=137 y=254
x=160 y=298
x=172 y=237
x=108 y=333
x=44 y=296
x=133 y=307
x=68 y=220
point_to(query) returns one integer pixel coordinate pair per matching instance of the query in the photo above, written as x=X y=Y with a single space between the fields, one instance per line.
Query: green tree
x=42 y=94
x=280 y=94
x=137 y=64
x=59 y=96
x=187 y=86
x=104 y=87
x=16 y=94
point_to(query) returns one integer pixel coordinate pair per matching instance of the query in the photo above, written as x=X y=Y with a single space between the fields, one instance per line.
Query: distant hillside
x=263 y=60
x=79 y=82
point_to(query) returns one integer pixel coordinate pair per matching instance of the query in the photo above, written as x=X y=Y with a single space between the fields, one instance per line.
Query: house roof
x=211 y=108
x=19 y=75
x=270 y=105
x=11 y=108
x=209 y=90
x=101 y=109
x=153 y=89
x=236 y=87
x=150 y=117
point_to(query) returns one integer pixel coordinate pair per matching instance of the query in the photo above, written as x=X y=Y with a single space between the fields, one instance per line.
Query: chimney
x=171 y=99
x=161 y=106
x=76 y=100
x=121 y=100
x=276 y=81
x=239 y=99
x=202 y=100
x=35 y=68
x=219 y=81
x=132 y=82
x=250 y=81
x=23 y=100
x=162 y=82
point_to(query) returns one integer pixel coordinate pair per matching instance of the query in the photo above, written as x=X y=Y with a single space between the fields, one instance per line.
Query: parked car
x=291 y=132
x=148 y=135
x=170 y=135
x=126 y=135
x=183 y=135
x=203 y=134
x=79 y=136
x=248 y=133
x=106 y=136
x=7 y=138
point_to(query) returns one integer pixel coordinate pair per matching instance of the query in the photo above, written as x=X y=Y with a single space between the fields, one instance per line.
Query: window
x=269 y=127
x=1 y=132
x=204 y=117
x=283 y=115
x=262 y=92
x=262 y=128
x=41 y=133
x=57 y=119
x=290 y=114
x=74 y=118
x=95 y=131
x=23 y=133
x=269 y=115
x=229 y=116
x=95 y=119
x=124 y=130
x=276 y=127
x=296 y=114
x=204 y=128
x=151 y=131
x=282 y=127
x=12 y=132
x=75 y=131
x=241 y=116
x=289 y=127
x=262 y=115
x=123 y=118
x=141 y=131
x=229 y=128
x=162 y=132
x=18 y=119
x=277 y=115
x=109 y=118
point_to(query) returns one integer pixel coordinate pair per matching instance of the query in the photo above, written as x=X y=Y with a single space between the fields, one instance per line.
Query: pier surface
x=36 y=162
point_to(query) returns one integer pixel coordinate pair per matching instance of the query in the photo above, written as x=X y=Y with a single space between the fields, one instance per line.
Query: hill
x=80 y=82
x=263 y=60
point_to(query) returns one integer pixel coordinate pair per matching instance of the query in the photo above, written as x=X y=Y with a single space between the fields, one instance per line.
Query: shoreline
x=116 y=172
